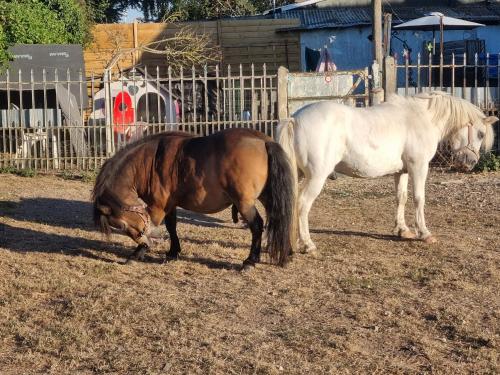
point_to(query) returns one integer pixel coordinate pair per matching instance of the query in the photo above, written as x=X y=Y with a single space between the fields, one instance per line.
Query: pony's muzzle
x=143 y=240
x=466 y=160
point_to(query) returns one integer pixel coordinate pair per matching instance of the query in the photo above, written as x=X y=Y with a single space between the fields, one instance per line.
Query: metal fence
x=475 y=78
x=64 y=122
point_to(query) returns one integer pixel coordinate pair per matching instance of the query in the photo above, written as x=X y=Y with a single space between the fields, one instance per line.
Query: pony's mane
x=456 y=113
x=112 y=167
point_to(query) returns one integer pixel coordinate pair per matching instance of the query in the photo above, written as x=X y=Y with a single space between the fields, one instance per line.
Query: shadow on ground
x=350 y=233
x=26 y=240
x=74 y=214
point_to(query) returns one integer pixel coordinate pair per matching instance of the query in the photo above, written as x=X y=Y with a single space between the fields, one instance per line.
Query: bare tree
x=185 y=48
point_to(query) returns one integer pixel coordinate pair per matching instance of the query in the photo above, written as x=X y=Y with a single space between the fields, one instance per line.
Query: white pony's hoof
x=406 y=234
x=313 y=253
x=429 y=240
x=309 y=249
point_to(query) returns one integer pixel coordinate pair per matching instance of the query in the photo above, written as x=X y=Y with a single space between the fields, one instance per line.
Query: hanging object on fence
x=326 y=64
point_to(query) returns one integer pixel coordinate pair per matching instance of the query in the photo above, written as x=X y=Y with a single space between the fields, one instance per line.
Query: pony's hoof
x=170 y=258
x=406 y=234
x=133 y=259
x=429 y=240
x=313 y=253
x=310 y=250
x=247 y=267
x=306 y=247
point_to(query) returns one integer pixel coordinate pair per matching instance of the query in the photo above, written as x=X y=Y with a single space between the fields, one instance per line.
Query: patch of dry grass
x=368 y=304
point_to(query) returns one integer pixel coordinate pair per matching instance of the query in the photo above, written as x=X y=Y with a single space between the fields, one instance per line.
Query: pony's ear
x=490 y=120
x=106 y=210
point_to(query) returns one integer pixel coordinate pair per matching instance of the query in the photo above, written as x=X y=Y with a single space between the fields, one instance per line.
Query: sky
x=131 y=15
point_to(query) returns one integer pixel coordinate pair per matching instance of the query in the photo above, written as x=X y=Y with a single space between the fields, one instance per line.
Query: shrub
x=488 y=162
x=42 y=22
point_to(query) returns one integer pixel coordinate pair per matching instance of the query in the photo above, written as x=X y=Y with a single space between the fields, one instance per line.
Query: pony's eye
x=480 y=134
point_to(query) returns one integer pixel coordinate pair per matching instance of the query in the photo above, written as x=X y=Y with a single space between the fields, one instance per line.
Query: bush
x=42 y=22
x=19 y=172
x=31 y=22
x=488 y=162
x=4 y=55
x=75 y=19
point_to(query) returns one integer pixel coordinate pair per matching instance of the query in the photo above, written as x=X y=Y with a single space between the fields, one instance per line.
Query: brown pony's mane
x=111 y=170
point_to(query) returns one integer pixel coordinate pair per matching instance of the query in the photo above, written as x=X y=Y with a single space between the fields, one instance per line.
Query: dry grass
x=367 y=304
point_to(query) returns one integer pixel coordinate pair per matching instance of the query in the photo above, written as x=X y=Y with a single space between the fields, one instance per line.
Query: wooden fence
x=241 y=42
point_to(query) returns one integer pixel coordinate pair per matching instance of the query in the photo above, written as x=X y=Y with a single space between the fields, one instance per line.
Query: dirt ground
x=367 y=304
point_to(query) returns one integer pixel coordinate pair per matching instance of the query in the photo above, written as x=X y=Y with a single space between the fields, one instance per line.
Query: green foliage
x=4 y=55
x=74 y=17
x=488 y=162
x=32 y=22
x=19 y=172
x=106 y=11
x=5 y=170
x=85 y=176
x=42 y=22
x=26 y=172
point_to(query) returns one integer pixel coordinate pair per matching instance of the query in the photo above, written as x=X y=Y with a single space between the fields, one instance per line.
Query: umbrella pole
x=441 y=49
x=433 y=41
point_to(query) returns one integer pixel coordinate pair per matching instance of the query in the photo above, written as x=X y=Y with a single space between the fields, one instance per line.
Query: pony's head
x=116 y=206
x=465 y=127
x=467 y=142
x=133 y=221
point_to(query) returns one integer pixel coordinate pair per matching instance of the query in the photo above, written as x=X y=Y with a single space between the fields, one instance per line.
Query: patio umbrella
x=437 y=21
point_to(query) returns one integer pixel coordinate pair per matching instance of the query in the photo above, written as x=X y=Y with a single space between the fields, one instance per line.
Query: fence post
x=108 y=108
x=282 y=93
x=389 y=77
x=377 y=92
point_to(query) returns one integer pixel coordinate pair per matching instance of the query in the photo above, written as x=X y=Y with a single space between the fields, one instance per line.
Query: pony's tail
x=285 y=136
x=279 y=202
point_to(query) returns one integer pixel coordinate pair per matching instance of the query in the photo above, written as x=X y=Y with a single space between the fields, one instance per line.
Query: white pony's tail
x=285 y=136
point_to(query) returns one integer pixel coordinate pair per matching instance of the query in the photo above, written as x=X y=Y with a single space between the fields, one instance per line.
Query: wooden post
x=390 y=77
x=387 y=33
x=377 y=30
x=282 y=93
x=377 y=92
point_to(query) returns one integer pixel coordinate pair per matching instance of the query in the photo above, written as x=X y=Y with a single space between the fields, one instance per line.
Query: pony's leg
x=401 y=182
x=234 y=213
x=419 y=176
x=310 y=189
x=138 y=253
x=256 y=225
x=175 y=247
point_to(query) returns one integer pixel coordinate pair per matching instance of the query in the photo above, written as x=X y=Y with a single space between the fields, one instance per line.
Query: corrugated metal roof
x=319 y=18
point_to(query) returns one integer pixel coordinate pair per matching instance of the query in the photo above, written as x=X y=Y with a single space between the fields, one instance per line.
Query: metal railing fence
x=475 y=78
x=66 y=122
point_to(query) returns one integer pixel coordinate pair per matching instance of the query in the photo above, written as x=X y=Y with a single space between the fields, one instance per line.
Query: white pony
x=398 y=137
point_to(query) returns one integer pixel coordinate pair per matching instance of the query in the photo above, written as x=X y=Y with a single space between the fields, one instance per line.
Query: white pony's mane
x=456 y=113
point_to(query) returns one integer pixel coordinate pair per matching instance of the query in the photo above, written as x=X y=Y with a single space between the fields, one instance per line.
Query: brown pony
x=145 y=182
